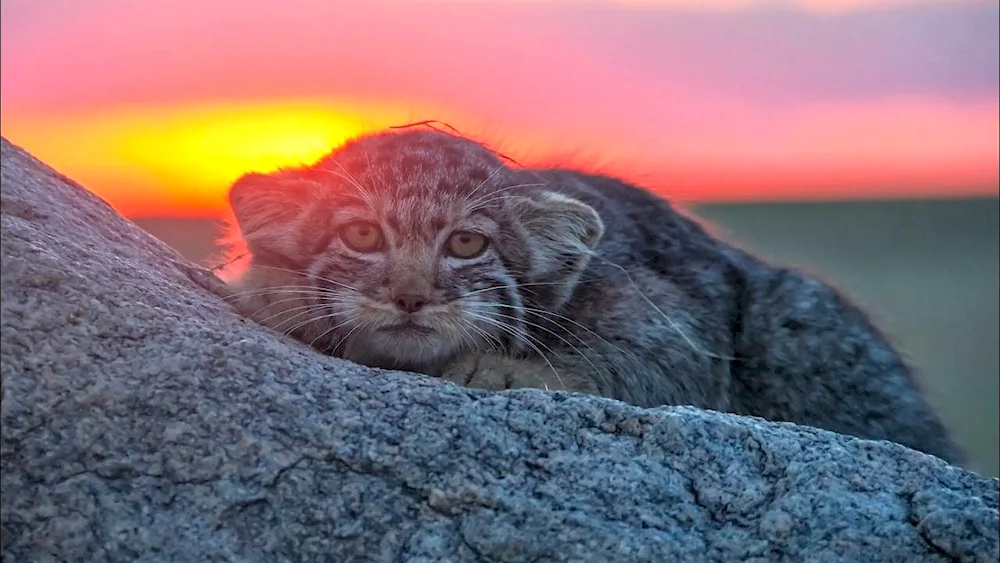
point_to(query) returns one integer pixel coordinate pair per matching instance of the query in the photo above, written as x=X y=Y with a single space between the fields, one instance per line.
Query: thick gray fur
x=784 y=345
x=636 y=302
x=142 y=420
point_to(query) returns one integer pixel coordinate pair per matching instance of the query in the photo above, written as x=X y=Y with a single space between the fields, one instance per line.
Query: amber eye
x=362 y=236
x=466 y=244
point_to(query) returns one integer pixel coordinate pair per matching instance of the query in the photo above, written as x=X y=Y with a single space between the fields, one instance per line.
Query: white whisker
x=343 y=340
x=365 y=194
x=497 y=195
x=306 y=275
x=324 y=316
x=541 y=312
x=496 y=345
x=304 y=308
x=566 y=342
x=528 y=339
x=282 y=290
x=673 y=324
x=484 y=182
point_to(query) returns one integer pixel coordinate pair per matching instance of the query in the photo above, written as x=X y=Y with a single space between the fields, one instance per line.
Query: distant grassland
x=928 y=271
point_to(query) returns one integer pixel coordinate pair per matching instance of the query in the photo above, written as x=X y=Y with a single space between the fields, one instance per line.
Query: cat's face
x=412 y=247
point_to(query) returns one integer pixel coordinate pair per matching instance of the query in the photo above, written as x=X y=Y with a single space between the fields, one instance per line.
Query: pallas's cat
x=426 y=251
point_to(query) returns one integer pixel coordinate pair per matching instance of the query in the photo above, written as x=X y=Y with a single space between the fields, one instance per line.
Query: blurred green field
x=928 y=271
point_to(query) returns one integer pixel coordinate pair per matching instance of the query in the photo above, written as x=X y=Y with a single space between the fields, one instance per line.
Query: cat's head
x=411 y=247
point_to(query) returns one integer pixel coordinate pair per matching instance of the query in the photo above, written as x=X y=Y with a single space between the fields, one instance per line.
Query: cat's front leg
x=495 y=373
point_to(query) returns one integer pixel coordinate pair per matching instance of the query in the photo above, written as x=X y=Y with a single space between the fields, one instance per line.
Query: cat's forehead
x=419 y=165
x=418 y=183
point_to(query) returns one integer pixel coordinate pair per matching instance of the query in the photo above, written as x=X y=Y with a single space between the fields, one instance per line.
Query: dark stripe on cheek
x=487 y=264
x=345 y=264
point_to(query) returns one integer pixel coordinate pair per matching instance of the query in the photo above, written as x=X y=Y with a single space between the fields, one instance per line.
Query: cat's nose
x=410 y=303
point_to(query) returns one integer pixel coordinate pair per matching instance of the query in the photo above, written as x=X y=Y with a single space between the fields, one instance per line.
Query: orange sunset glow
x=177 y=161
x=159 y=106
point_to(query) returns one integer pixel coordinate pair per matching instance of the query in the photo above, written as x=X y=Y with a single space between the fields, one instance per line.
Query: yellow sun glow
x=190 y=154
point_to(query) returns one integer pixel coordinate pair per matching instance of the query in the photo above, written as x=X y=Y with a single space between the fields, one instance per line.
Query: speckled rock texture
x=144 y=421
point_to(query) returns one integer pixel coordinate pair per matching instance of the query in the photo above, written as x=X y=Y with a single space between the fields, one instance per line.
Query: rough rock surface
x=142 y=420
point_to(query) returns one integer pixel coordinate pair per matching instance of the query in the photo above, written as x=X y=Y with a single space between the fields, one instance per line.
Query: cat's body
x=599 y=286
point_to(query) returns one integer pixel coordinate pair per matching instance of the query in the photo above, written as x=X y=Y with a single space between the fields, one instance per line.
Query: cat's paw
x=495 y=373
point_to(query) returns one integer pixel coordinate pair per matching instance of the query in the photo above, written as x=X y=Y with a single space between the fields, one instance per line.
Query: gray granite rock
x=142 y=420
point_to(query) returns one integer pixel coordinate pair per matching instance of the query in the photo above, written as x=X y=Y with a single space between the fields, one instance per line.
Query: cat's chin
x=404 y=347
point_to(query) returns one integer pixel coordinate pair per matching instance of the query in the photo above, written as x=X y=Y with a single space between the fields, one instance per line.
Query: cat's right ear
x=272 y=210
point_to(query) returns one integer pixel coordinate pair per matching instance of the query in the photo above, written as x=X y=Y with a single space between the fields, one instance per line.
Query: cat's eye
x=362 y=236
x=466 y=244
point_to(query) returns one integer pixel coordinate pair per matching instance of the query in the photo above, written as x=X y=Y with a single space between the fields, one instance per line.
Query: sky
x=157 y=106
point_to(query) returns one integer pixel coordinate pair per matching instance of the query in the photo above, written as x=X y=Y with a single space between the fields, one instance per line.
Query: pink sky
x=156 y=105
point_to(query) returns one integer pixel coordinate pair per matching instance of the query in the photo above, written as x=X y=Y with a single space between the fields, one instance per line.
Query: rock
x=143 y=420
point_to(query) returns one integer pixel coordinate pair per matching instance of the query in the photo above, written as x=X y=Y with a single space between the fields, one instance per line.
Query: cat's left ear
x=562 y=233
